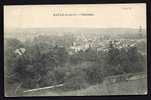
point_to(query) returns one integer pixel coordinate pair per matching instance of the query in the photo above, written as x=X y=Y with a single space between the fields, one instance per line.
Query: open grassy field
x=129 y=87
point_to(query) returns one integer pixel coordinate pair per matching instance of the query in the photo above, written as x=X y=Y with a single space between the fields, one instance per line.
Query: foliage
x=45 y=63
x=124 y=60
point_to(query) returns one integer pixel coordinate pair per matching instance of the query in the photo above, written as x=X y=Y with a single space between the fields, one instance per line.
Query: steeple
x=140 y=31
x=140 y=28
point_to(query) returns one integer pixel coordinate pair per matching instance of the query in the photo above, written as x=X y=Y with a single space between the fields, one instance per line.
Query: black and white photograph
x=75 y=50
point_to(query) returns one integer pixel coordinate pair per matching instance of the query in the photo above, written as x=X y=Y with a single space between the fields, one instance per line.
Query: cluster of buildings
x=123 y=43
x=82 y=44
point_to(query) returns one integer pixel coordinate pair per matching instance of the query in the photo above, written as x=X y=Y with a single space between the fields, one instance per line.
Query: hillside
x=131 y=87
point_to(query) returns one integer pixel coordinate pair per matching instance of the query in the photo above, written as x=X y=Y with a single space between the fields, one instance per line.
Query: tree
x=10 y=45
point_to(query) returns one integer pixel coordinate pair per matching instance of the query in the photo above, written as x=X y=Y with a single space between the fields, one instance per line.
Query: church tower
x=140 y=28
x=140 y=32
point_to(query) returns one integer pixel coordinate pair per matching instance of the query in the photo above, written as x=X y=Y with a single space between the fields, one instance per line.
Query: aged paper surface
x=75 y=50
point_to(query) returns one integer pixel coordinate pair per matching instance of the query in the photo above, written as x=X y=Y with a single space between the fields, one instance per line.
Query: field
x=130 y=87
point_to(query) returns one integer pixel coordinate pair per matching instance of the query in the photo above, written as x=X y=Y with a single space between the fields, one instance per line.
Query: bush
x=75 y=80
x=94 y=74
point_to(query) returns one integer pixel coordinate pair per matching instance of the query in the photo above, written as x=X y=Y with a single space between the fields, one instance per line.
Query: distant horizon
x=24 y=33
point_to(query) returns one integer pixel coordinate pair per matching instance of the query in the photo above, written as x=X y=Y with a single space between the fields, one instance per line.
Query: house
x=20 y=51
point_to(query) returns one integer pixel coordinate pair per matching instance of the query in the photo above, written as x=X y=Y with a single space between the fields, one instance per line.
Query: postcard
x=75 y=50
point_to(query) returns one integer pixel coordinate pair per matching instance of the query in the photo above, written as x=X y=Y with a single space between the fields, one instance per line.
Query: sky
x=102 y=16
